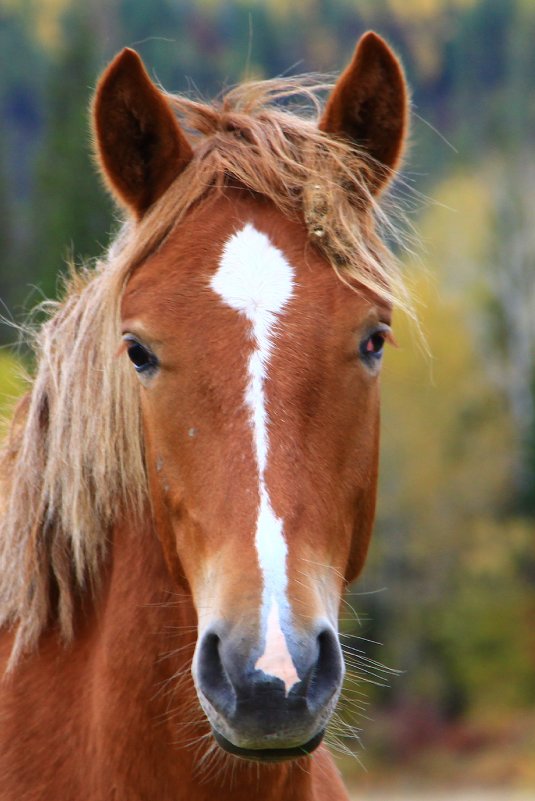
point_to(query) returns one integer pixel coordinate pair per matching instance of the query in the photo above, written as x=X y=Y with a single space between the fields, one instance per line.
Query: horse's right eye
x=140 y=356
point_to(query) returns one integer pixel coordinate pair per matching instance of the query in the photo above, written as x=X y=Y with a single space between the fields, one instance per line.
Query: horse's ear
x=139 y=143
x=369 y=106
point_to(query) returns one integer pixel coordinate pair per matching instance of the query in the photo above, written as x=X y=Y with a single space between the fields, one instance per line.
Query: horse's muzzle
x=254 y=715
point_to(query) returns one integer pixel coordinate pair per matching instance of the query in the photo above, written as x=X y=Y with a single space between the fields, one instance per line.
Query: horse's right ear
x=139 y=143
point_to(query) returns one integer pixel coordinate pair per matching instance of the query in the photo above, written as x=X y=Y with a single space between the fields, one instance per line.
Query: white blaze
x=256 y=279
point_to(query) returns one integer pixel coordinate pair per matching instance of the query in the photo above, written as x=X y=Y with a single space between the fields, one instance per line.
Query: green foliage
x=71 y=211
x=12 y=385
x=21 y=97
x=457 y=613
x=485 y=630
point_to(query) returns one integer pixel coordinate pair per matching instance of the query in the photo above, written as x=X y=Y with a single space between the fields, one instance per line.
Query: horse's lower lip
x=269 y=754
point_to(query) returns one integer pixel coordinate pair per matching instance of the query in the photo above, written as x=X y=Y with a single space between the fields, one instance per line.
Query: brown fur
x=114 y=715
x=141 y=147
x=370 y=107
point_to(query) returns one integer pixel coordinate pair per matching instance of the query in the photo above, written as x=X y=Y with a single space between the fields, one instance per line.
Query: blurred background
x=440 y=629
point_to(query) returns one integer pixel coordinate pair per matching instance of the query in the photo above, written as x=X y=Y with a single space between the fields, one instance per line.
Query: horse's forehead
x=239 y=253
x=254 y=276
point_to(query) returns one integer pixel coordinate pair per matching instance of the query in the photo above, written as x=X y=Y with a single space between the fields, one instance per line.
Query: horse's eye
x=140 y=356
x=371 y=348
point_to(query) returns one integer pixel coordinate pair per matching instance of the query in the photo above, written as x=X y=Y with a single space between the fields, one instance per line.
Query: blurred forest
x=448 y=595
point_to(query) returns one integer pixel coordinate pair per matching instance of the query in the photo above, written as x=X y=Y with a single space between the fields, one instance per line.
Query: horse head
x=257 y=370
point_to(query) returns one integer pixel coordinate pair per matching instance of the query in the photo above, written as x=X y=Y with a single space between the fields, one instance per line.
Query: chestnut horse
x=189 y=485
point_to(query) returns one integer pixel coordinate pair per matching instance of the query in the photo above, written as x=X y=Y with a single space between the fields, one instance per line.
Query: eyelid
x=386 y=331
x=127 y=339
x=132 y=339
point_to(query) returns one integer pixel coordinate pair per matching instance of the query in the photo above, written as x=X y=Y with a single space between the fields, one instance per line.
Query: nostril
x=211 y=675
x=330 y=657
x=326 y=676
x=210 y=667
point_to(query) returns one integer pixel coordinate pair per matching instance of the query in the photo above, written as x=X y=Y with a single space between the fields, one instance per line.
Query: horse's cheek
x=361 y=535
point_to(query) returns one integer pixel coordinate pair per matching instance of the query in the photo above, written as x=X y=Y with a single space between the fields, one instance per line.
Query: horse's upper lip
x=275 y=754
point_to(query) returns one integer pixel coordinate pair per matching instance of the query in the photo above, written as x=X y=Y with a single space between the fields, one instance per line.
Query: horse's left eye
x=371 y=348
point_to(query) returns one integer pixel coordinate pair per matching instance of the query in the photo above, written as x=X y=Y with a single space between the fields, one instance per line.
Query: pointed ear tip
x=126 y=58
x=127 y=54
x=127 y=64
x=372 y=42
x=371 y=37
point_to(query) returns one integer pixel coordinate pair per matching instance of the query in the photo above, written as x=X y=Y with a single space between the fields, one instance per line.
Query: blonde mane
x=73 y=461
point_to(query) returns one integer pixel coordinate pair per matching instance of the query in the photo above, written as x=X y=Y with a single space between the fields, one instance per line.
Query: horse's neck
x=130 y=651
x=147 y=721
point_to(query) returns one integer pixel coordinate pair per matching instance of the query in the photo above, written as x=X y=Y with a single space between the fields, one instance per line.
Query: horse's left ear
x=139 y=143
x=369 y=106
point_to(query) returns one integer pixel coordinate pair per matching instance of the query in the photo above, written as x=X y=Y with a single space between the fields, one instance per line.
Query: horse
x=189 y=484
